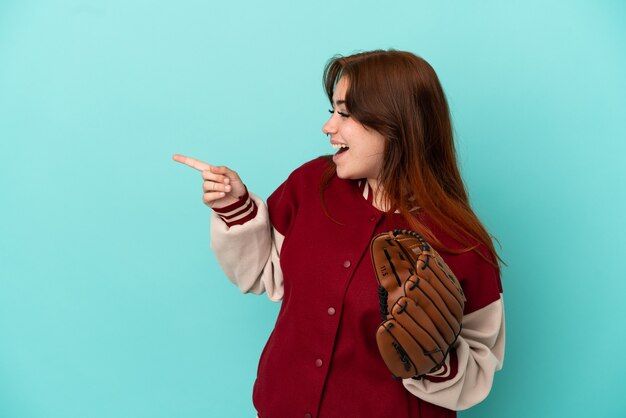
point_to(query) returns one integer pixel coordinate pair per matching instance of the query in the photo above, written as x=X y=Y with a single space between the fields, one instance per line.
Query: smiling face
x=362 y=152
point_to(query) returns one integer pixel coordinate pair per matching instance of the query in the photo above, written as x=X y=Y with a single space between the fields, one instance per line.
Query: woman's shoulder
x=295 y=191
x=480 y=278
x=311 y=172
x=313 y=167
x=301 y=178
x=478 y=273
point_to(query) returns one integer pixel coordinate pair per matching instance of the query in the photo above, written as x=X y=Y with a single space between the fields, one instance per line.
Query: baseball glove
x=421 y=302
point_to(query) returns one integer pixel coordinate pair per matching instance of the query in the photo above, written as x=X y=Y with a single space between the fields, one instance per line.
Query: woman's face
x=363 y=157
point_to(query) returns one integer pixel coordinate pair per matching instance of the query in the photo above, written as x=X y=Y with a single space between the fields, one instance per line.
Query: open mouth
x=341 y=148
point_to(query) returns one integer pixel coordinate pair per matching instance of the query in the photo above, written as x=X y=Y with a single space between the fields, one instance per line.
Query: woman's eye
x=342 y=114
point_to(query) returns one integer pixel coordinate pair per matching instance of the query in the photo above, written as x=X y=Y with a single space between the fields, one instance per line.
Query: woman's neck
x=377 y=195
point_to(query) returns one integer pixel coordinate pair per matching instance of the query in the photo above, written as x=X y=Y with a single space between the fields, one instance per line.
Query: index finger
x=192 y=162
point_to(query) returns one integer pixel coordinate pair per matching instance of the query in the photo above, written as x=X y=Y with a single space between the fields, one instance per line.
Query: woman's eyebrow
x=339 y=102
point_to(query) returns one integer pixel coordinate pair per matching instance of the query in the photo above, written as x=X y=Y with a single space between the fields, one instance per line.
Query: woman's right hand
x=222 y=186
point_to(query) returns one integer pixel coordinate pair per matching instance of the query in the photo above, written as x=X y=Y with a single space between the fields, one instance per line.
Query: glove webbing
x=382 y=299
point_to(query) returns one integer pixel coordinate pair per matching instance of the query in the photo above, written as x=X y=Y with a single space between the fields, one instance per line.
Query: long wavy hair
x=399 y=95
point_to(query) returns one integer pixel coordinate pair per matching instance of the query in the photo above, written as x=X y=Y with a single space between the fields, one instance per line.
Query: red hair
x=399 y=95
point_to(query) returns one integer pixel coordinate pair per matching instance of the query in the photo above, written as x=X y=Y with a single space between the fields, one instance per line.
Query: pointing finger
x=192 y=162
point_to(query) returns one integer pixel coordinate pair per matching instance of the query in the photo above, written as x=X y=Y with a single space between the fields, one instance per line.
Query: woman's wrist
x=239 y=211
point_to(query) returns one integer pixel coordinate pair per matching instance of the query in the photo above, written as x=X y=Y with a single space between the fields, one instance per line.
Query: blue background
x=111 y=302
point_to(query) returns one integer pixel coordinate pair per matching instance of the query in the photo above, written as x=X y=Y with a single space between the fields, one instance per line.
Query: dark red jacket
x=321 y=359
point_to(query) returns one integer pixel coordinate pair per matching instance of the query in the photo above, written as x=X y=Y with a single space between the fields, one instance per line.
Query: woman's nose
x=329 y=127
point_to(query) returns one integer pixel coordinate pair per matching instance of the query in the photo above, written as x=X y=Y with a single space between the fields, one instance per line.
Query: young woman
x=395 y=167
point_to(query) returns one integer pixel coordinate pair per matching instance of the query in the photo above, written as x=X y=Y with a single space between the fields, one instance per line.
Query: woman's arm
x=467 y=376
x=247 y=247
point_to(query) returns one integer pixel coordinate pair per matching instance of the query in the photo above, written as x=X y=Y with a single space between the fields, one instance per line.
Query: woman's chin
x=346 y=175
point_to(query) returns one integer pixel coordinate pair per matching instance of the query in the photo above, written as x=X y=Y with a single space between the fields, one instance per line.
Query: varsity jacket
x=321 y=359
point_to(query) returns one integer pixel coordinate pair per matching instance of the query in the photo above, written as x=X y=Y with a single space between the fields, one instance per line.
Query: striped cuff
x=239 y=212
x=447 y=371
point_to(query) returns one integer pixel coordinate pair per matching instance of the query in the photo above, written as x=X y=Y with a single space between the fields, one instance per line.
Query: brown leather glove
x=421 y=302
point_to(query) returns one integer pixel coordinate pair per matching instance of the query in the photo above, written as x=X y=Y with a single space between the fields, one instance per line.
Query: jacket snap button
x=373 y=218
x=318 y=362
x=307 y=415
x=331 y=311
x=346 y=263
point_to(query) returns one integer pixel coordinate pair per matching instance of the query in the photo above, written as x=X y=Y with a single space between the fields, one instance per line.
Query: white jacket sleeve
x=249 y=253
x=479 y=354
